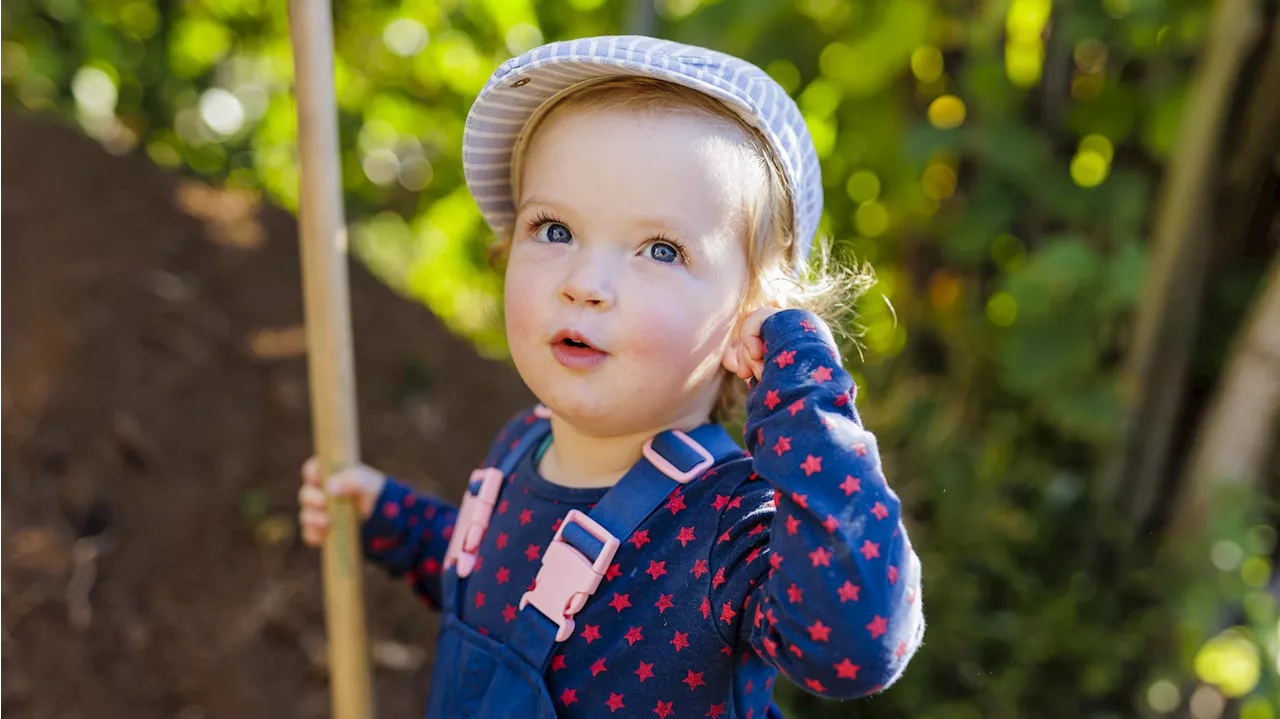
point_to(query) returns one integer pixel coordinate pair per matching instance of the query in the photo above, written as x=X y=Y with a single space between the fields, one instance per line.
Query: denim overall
x=477 y=676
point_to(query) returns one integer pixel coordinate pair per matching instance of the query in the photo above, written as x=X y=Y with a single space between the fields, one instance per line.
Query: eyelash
x=542 y=218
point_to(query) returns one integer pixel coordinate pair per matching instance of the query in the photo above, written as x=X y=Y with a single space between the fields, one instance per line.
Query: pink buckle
x=669 y=469
x=567 y=578
x=473 y=520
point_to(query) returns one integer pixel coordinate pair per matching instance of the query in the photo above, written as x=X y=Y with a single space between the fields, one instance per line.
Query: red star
x=848 y=592
x=656 y=569
x=509 y=613
x=663 y=709
x=759 y=527
x=878 y=626
x=556 y=527
x=694 y=679
x=532 y=552
x=680 y=640
x=822 y=374
x=911 y=595
x=901 y=651
x=504 y=575
x=759 y=615
x=735 y=503
x=705 y=608
x=558 y=663
x=727 y=613
x=775 y=560
x=893 y=575
x=860 y=449
x=847 y=669
x=479 y=561
x=620 y=601
x=676 y=503
x=699 y=568
x=526 y=516
x=723 y=537
x=796 y=406
x=771 y=399
x=717 y=580
x=664 y=602
x=811 y=465
x=831 y=523
x=815 y=685
x=391 y=510
x=785 y=358
x=502 y=507
x=794 y=649
x=685 y=536
x=720 y=502
x=851 y=485
x=770 y=646
x=640 y=538
x=479 y=599
x=502 y=540
x=716 y=711
x=819 y=632
x=782 y=446
x=613 y=572
x=807 y=325
x=633 y=635
x=569 y=696
x=841 y=400
x=793 y=525
x=753 y=555
x=795 y=594
x=644 y=672
x=870 y=550
x=591 y=633
x=615 y=702
x=598 y=667
x=879 y=510
x=800 y=499
x=820 y=557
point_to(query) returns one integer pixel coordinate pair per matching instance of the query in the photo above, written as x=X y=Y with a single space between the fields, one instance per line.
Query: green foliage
x=995 y=163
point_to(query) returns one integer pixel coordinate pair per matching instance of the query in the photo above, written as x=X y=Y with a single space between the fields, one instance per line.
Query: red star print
x=685 y=536
x=820 y=557
x=800 y=499
x=664 y=602
x=775 y=560
x=676 y=503
x=831 y=523
x=663 y=710
x=633 y=635
x=771 y=646
x=758 y=528
x=860 y=449
x=526 y=516
x=811 y=465
x=532 y=552
x=569 y=696
x=782 y=446
x=502 y=507
x=793 y=525
x=794 y=649
x=841 y=400
x=502 y=540
x=613 y=572
x=640 y=538
x=727 y=614
x=718 y=579
x=598 y=667
x=755 y=553
x=591 y=633
x=818 y=631
x=699 y=568
x=815 y=685
x=807 y=325
x=479 y=561
x=847 y=669
x=680 y=640
x=615 y=702
x=504 y=575
x=479 y=599
x=878 y=626
x=795 y=594
x=556 y=527
x=720 y=503
x=694 y=679
x=901 y=651
x=390 y=510
x=735 y=503
x=796 y=406
x=432 y=565
x=644 y=672
x=620 y=601
x=851 y=485
x=785 y=358
x=870 y=550
x=848 y=592
x=705 y=608
x=759 y=615
x=558 y=663
x=893 y=575
x=771 y=399
x=880 y=510
x=723 y=537
x=822 y=374
x=509 y=613
x=911 y=595
x=716 y=711
x=656 y=569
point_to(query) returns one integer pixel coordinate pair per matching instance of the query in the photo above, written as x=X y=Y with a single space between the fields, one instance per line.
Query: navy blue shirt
x=792 y=558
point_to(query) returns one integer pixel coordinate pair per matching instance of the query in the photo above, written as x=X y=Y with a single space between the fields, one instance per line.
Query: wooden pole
x=328 y=318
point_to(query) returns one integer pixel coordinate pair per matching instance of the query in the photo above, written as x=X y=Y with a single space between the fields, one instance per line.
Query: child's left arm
x=827 y=586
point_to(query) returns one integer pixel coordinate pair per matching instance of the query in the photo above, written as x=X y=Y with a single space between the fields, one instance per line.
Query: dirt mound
x=155 y=415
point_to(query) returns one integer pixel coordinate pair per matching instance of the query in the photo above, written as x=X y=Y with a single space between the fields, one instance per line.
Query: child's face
x=630 y=237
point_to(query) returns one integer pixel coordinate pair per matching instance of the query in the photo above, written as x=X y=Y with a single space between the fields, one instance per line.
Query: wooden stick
x=328 y=318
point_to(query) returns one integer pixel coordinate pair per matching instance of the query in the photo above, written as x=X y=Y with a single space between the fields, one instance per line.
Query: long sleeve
x=819 y=574
x=407 y=535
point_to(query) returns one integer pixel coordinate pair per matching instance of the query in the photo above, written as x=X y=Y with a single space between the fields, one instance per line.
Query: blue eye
x=663 y=252
x=554 y=232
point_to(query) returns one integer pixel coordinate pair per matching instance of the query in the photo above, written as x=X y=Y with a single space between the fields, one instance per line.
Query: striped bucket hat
x=524 y=86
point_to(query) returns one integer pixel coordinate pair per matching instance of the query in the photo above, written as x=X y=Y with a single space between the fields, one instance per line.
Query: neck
x=578 y=459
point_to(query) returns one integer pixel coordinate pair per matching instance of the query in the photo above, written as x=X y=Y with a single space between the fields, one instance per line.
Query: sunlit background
x=1000 y=166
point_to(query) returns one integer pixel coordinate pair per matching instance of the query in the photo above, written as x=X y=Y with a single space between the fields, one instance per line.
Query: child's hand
x=749 y=359
x=361 y=482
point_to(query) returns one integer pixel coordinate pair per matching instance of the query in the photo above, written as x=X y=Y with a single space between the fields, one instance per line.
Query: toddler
x=618 y=554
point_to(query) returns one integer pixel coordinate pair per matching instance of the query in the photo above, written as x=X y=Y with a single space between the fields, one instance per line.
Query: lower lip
x=577 y=357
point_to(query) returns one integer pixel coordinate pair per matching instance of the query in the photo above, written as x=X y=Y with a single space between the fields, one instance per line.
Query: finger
x=312 y=497
x=314 y=518
x=754 y=347
x=311 y=471
x=313 y=536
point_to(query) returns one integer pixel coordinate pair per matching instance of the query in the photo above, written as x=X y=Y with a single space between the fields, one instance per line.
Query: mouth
x=575 y=351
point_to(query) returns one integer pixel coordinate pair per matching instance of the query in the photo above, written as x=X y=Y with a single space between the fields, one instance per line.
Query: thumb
x=361 y=482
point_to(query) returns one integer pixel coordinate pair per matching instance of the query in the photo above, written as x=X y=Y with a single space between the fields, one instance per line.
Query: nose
x=589 y=283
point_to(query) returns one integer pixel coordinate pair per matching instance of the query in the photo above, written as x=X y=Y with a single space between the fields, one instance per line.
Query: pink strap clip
x=567 y=578
x=473 y=520
x=663 y=465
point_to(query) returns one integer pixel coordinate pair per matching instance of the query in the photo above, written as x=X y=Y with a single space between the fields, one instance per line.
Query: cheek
x=520 y=303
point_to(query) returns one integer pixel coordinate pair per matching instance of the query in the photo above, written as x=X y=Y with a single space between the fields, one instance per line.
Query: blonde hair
x=777 y=274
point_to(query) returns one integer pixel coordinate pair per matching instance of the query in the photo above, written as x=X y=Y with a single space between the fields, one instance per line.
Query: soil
x=155 y=416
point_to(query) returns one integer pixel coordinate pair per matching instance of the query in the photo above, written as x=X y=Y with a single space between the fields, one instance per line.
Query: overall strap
x=583 y=548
